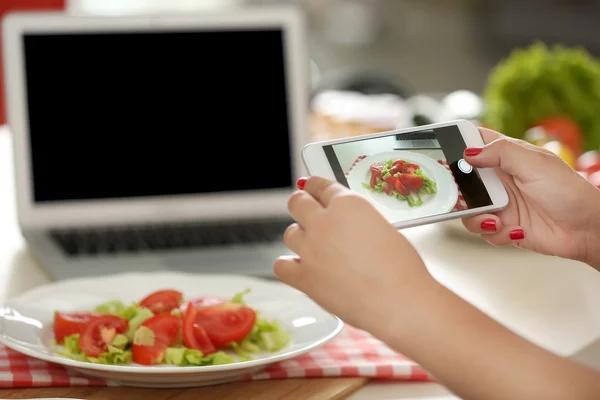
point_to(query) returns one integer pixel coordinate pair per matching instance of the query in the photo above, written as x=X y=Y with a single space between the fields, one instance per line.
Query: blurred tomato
x=595 y=179
x=565 y=130
x=589 y=162
x=537 y=136
x=562 y=151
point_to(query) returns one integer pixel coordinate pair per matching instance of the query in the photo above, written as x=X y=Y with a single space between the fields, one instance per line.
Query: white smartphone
x=413 y=176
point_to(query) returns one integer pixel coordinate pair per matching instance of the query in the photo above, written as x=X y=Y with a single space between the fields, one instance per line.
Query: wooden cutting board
x=280 y=389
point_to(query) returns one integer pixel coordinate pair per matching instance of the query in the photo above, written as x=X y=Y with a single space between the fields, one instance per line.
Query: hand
x=351 y=260
x=552 y=210
x=355 y=264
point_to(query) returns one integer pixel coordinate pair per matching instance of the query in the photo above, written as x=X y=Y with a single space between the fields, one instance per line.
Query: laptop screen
x=128 y=115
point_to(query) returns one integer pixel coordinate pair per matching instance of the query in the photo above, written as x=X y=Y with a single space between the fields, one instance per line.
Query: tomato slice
x=202 y=341
x=400 y=188
x=410 y=168
x=398 y=163
x=395 y=169
x=162 y=301
x=226 y=323
x=589 y=162
x=397 y=166
x=373 y=180
x=375 y=174
x=376 y=167
x=147 y=355
x=166 y=328
x=99 y=332
x=194 y=336
x=390 y=184
x=203 y=301
x=411 y=182
x=69 y=323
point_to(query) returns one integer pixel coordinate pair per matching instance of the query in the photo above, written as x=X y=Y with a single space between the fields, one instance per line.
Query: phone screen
x=412 y=174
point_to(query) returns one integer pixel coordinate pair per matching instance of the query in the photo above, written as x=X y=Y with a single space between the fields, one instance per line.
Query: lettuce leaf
x=265 y=335
x=114 y=355
x=118 y=308
x=182 y=356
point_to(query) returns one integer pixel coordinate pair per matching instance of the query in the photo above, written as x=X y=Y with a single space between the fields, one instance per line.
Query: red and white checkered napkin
x=353 y=353
x=461 y=204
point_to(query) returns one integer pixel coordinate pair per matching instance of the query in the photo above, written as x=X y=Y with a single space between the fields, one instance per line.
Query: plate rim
x=11 y=343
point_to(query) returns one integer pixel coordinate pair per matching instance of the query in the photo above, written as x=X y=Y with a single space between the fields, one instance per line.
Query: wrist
x=592 y=250
x=591 y=253
x=405 y=308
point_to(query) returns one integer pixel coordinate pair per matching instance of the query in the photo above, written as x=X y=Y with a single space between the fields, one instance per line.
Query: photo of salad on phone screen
x=410 y=175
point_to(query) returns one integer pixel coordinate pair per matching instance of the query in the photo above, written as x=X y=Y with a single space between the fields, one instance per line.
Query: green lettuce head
x=540 y=81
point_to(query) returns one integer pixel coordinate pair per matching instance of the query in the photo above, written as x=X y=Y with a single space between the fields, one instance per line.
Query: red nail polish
x=517 y=234
x=473 y=151
x=488 y=225
x=300 y=183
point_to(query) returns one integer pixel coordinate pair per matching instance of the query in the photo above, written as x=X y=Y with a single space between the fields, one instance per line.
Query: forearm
x=591 y=232
x=593 y=241
x=477 y=358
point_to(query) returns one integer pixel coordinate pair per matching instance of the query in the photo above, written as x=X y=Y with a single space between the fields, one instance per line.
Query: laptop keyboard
x=424 y=135
x=161 y=237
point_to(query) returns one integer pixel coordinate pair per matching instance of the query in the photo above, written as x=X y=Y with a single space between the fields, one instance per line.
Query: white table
x=550 y=301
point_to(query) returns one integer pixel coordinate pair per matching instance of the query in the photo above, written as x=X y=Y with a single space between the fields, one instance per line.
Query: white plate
x=395 y=210
x=26 y=323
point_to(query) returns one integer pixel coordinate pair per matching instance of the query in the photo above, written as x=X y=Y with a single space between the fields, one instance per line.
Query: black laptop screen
x=125 y=115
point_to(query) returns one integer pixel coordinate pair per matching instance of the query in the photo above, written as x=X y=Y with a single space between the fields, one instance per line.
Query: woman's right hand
x=552 y=209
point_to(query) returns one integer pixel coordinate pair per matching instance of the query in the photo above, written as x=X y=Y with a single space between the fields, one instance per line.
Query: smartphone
x=413 y=176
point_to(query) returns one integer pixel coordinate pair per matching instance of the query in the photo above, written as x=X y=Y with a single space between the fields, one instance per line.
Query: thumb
x=508 y=155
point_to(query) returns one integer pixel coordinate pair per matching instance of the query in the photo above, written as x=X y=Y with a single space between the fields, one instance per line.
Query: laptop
x=424 y=140
x=145 y=143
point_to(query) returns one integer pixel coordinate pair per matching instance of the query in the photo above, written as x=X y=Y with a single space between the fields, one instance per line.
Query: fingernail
x=301 y=182
x=517 y=234
x=473 y=151
x=488 y=225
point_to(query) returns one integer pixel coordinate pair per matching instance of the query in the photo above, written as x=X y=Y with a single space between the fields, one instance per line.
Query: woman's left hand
x=351 y=260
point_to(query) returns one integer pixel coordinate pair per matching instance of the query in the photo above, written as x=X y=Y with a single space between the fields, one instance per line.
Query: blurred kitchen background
x=424 y=45
x=381 y=64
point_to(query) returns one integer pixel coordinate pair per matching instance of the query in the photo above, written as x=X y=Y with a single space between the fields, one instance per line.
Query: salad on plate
x=402 y=179
x=166 y=328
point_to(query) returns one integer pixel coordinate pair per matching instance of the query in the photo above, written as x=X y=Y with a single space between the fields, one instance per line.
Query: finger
x=508 y=235
x=323 y=190
x=302 y=206
x=489 y=135
x=293 y=237
x=289 y=269
x=485 y=224
x=508 y=155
